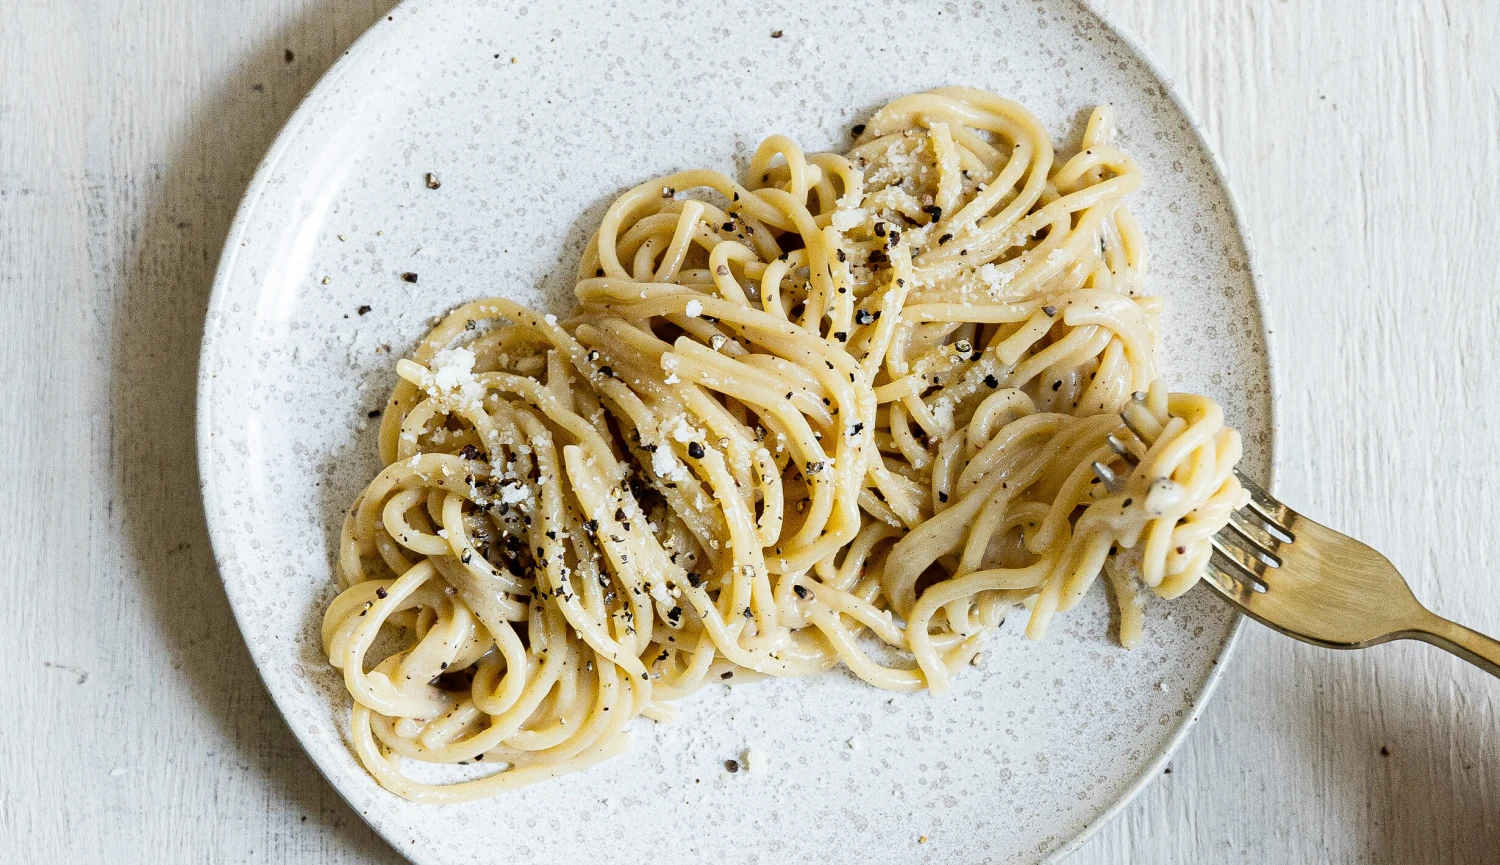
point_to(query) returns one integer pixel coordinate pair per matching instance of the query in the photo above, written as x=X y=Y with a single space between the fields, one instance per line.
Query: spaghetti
x=851 y=403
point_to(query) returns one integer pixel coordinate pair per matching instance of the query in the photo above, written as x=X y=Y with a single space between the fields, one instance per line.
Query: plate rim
x=326 y=85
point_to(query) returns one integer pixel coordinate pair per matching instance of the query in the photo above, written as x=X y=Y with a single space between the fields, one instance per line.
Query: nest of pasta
x=851 y=402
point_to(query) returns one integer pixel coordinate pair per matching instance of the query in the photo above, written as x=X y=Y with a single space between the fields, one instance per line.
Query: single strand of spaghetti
x=911 y=450
x=880 y=511
x=559 y=379
x=980 y=312
x=903 y=498
x=841 y=298
x=342 y=615
x=836 y=167
x=770 y=288
x=799 y=182
x=979 y=153
x=494 y=696
x=691 y=678
x=1128 y=602
x=1073 y=174
x=414 y=539
x=1110 y=385
x=1132 y=246
x=682 y=238
x=651 y=233
x=994 y=412
x=957 y=589
x=644 y=267
x=888 y=314
x=891 y=679
x=945 y=155
x=353 y=546
x=719 y=264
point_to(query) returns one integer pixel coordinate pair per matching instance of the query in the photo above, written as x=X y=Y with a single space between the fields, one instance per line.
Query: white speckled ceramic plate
x=535 y=118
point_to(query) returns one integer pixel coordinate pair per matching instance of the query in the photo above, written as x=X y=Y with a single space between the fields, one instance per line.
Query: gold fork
x=1310 y=582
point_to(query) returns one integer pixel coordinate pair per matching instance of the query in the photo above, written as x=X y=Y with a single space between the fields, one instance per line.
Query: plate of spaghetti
x=680 y=433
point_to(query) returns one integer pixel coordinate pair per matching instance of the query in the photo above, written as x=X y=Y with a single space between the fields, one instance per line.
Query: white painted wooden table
x=1362 y=138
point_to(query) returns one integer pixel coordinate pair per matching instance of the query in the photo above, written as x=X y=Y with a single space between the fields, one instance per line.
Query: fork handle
x=1467 y=643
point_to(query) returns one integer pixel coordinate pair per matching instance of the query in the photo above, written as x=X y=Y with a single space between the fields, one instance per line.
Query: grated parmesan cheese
x=844 y=220
x=452 y=376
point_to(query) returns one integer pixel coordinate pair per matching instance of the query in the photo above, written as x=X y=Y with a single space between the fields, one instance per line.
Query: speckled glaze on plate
x=533 y=119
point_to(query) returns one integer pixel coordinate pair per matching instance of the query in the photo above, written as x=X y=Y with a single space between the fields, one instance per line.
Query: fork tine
x=1276 y=513
x=1140 y=422
x=1222 y=581
x=1252 y=563
x=1235 y=571
x=1112 y=481
x=1119 y=447
x=1254 y=534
